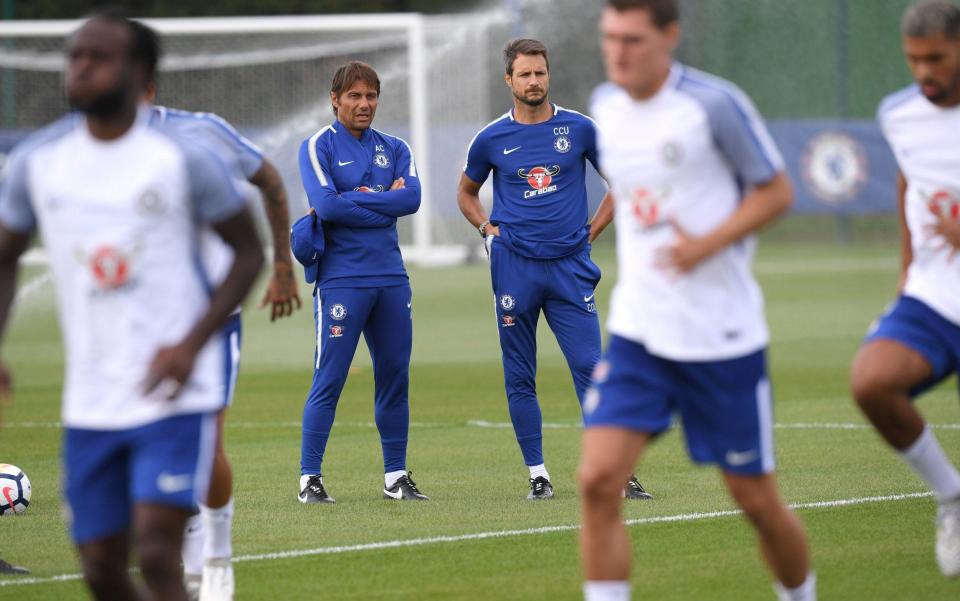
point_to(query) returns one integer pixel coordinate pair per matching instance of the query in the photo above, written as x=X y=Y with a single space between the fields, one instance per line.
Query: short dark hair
x=662 y=12
x=930 y=18
x=145 y=45
x=522 y=46
x=351 y=73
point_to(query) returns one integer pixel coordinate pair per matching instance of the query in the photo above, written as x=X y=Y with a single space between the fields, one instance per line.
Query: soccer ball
x=14 y=489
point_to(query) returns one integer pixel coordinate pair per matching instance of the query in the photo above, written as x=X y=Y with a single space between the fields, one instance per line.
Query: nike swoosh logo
x=342 y=164
x=394 y=495
x=409 y=305
x=736 y=459
x=587 y=299
x=505 y=151
x=170 y=484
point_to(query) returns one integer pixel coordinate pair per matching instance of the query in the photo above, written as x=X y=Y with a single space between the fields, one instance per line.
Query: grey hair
x=930 y=18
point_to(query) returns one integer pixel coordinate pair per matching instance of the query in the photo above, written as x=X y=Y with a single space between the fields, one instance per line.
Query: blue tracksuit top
x=347 y=181
x=539 y=185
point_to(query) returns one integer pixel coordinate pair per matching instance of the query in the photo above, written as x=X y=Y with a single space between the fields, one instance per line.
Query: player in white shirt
x=207 y=549
x=916 y=343
x=694 y=173
x=120 y=204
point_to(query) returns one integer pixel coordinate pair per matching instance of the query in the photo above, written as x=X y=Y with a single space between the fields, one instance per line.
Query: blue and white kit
x=120 y=222
x=685 y=156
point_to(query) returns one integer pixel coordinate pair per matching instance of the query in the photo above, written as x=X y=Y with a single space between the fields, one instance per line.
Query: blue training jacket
x=348 y=181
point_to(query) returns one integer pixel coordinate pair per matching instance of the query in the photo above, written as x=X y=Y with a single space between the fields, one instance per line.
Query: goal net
x=270 y=77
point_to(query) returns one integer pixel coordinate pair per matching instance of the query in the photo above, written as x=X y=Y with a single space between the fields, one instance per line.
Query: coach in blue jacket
x=359 y=181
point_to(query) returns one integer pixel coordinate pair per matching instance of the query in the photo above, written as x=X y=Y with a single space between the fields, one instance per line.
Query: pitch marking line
x=477 y=423
x=433 y=540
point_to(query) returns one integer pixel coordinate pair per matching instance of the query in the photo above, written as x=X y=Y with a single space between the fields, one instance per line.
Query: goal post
x=269 y=76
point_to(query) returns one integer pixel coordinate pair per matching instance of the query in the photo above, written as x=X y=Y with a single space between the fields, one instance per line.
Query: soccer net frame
x=422 y=250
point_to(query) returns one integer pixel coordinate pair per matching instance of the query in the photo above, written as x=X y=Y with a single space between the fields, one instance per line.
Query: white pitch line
x=478 y=423
x=433 y=540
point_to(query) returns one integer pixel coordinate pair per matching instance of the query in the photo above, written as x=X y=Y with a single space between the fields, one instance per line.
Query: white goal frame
x=423 y=251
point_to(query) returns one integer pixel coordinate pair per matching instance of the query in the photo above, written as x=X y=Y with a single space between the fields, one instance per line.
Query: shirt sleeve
x=213 y=192
x=324 y=198
x=16 y=209
x=395 y=203
x=249 y=156
x=743 y=138
x=590 y=143
x=478 y=159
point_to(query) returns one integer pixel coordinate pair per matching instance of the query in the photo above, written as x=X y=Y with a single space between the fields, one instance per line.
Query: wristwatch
x=482 y=228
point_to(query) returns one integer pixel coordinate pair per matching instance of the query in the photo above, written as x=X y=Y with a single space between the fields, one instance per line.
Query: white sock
x=606 y=590
x=390 y=478
x=805 y=592
x=928 y=460
x=193 y=545
x=218 y=523
x=538 y=470
x=304 y=478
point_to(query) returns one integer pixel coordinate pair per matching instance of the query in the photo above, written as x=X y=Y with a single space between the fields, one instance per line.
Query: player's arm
x=906 y=243
x=403 y=198
x=324 y=199
x=219 y=204
x=758 y=208
x=468 y=199
x=17 y=224
x=12 y=245
x=603 y=216
x=281 y=292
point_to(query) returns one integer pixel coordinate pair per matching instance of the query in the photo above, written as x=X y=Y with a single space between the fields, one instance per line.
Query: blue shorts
x=725 y=406
x=232 y=336
x=109 y=471
x=917 y=326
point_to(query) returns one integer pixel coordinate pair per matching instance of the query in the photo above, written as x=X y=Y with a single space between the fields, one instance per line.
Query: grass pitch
x=478 y=538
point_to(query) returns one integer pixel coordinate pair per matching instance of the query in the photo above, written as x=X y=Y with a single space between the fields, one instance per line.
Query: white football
x=14 y=489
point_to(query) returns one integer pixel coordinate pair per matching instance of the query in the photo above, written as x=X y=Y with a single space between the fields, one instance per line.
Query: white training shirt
x=684 y=155
x=120 y=222
x=925 y=141
x=242 y=158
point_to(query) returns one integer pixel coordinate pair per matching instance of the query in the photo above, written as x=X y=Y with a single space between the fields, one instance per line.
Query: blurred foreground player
x=916 y=343
x=207 y=548
x=694 y=174
x=120 y=204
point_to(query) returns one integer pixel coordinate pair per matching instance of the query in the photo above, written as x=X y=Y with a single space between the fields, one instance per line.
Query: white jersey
x=120 y=223
x=922 y=137
x=242 y=157
x=684 y=155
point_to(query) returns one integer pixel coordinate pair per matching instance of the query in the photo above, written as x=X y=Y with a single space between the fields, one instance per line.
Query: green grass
x=820 y=300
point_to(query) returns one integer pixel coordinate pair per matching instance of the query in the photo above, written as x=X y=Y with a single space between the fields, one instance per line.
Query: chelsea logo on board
x=381 y=160
x=561 y=144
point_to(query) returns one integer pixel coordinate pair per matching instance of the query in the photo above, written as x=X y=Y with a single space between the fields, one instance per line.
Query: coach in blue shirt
x=538 y=240
x=359 y=181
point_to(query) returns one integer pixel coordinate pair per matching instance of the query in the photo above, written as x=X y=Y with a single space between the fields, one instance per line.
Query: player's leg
x=518 y=296
x=207 y=545
x=911 y=348
x=570 y=308
x=169 y=472
x=780 y=534
x=95 y=468
x=389 y=336
x=629 y=403
x=727 y=411
x=105 y=564
x=340 y=315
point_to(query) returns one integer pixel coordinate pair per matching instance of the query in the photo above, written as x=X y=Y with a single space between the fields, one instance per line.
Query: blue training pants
x=383 y=315
x=564 y=290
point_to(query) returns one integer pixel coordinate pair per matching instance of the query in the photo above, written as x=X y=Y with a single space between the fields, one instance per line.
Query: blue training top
x=539 y=186
x=348 y=181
